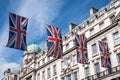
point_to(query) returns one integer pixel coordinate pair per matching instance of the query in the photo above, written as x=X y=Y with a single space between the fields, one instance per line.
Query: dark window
x=15 y=77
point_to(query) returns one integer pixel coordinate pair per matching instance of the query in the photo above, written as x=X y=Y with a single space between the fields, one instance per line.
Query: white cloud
x=39 y=12
x=5 y=65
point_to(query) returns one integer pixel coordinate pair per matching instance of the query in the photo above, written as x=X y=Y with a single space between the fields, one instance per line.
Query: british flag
x=81 y=46
x=105 y=55
x=54 y=44
x=17 y=32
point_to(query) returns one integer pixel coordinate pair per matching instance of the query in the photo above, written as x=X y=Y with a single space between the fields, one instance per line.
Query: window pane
x=112 y=19
x=87 y=72
x=69 y=77
x=102 y=25
x=97 y=68
x=62 y=64
x=94 y=48
x=75 y=76
x=62 y=78
x=116 y=37
x=43 y=75
x=15 y=77
x=92 y=31
x=54 y=69
x=118 y=55
x=74 y=59
x=48 y=72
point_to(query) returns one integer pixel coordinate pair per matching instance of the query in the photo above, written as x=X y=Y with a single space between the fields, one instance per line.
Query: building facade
x=103 y=24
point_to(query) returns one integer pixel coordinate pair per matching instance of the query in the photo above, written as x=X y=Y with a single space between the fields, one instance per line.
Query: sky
x=59 y=13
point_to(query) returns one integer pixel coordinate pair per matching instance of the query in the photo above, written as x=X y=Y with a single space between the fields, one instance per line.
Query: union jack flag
x=54 y=44
x=105 y=55
x=17 y=32
x=81 y=46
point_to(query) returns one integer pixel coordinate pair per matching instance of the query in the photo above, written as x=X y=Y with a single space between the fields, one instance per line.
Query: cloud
x=6 y=65
x=39 y=12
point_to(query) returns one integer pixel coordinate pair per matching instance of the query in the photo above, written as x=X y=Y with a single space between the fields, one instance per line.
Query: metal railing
x=103 y=73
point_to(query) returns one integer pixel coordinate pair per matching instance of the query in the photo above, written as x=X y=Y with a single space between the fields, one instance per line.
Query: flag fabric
x=105 y=55
x=17 y=32
x=54 y=43
x=81 y=46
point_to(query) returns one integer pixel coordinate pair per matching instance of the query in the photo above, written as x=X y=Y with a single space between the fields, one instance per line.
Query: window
x=48 y=58
x=62 y=65
x=75 y=76
x=104 y=40
x=94 y=48
x=38 y=64
x=43 y=61
x=62 y=78
x=118 y=55
x=29 y=78
x=56 y=78
x=92 y=31
x=48 y=72
x=15 y=77
x=67 y=46
x=43 y=75
x=87 y=72
x=54 y=69
x=112 y=19
x=69 y=77
x=68 y=62
x=38 y=77
x=97 y=68
x=116 y=37
x=101 y=25
x=74 y=59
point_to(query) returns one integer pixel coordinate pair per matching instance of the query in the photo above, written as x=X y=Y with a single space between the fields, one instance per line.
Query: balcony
x=103 y=74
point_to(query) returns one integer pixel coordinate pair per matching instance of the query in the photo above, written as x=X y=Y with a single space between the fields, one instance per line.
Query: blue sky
x=59 y=13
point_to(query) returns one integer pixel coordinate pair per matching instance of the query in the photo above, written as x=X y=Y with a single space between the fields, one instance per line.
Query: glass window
x=29 y=78
x=38 y=77
x=68 y=62
x=15 y=77
x=104 y=40
x=118 y=55
x=67 y=46
x=48 y=58
x=69 y=77
x=116 y=37
x=92 y=31
x=75 y=76
x=87 y=72
x=48 y=72
x=94 y=48
x=62 y=64
x=62 y=78
x=43 y=60
x=54 y=69
x=101 y=25
x=112 y=19
x=43 y=75
x=74 y=59
x=97 y=68
x=38 y=64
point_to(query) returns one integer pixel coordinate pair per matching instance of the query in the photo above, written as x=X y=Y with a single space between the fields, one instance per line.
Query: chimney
x=93 y=11
x=72 y=26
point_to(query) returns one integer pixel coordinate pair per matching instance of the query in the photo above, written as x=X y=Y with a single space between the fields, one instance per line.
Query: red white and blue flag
x=81 y=46
x=105 y=55
x=17 y=32
x=54 y=44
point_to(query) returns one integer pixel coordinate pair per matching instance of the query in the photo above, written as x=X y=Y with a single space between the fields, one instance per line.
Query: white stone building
x=103 y=24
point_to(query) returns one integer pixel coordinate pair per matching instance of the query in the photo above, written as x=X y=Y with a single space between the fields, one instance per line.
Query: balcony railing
x=104 y=73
